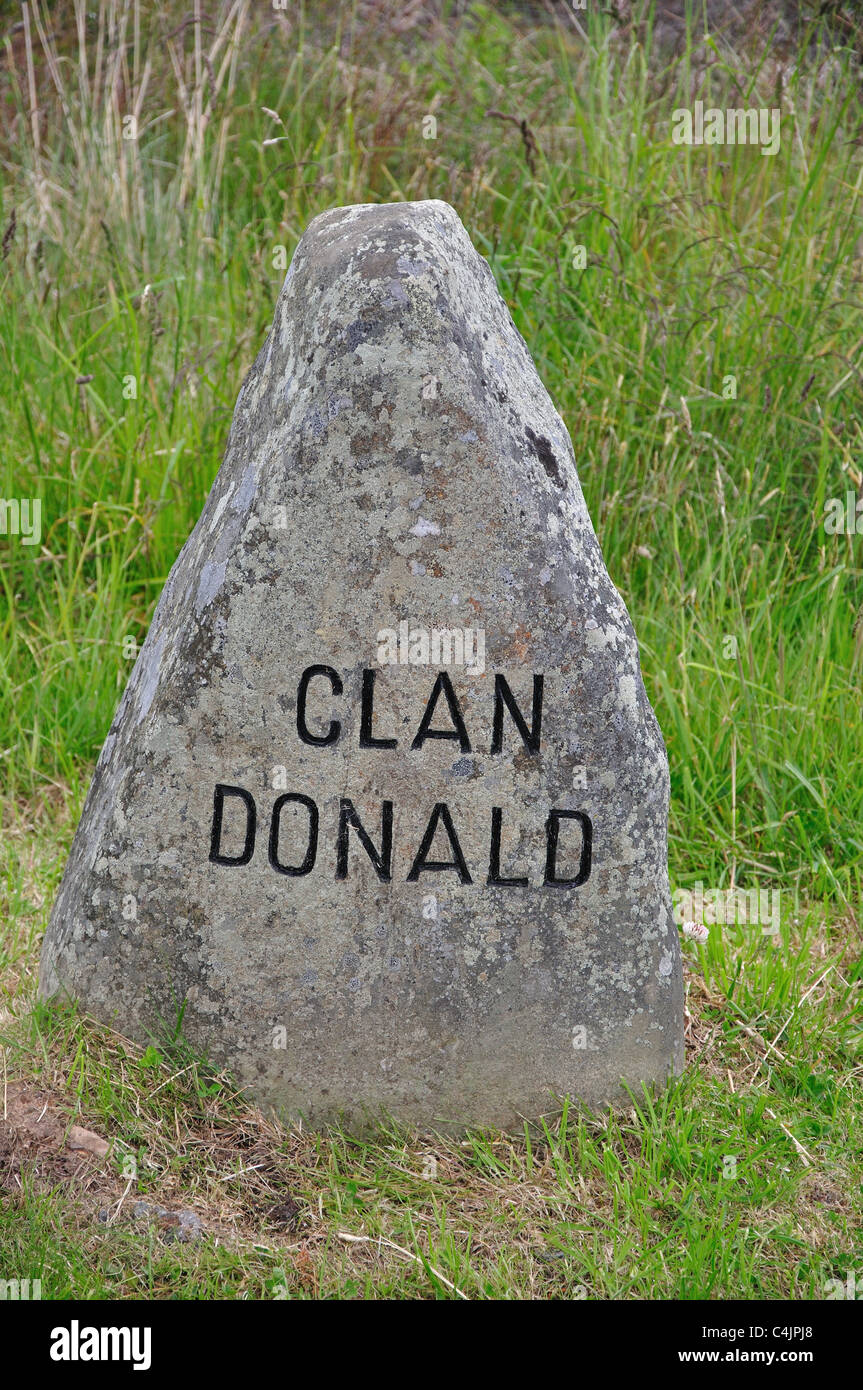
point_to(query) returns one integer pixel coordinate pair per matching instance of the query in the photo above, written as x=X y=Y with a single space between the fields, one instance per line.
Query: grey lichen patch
x=211 y=580
x=375 y=878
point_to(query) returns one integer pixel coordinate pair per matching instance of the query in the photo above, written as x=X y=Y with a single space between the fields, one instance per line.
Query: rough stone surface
x=393 y=458
x=182 y=1226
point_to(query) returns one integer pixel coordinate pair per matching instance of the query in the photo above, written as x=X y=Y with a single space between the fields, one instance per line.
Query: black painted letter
x=216 y=857
x=552 y=828
x=504 y=696
x=422 y=864
x=494 y=879
x=367 y=739
x=458 y=732
x=382 y=862
x=320 y=740
x=311 y=852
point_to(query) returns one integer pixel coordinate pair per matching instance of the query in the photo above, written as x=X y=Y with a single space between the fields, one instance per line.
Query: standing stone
x=383 y=809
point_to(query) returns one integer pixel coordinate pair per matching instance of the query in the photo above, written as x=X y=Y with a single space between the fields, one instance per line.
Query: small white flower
x=696 y=931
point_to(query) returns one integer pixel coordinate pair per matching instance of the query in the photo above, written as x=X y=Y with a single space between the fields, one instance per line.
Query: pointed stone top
x=383 y=808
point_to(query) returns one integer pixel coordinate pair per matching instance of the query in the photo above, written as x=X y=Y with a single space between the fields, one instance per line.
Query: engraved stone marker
x=383 y=809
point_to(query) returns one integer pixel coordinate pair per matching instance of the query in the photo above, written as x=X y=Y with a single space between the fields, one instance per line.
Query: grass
x=138 y=279
x=648 y=1204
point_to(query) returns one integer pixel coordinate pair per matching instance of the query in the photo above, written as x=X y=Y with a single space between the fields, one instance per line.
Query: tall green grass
x=156 y=259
